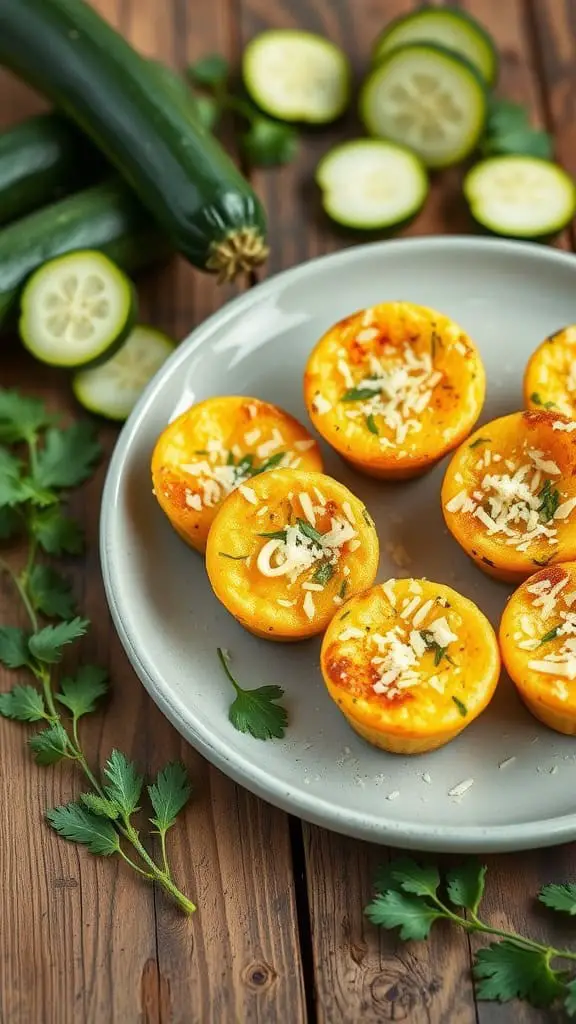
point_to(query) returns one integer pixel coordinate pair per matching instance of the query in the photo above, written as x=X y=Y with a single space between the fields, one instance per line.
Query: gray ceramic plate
x=508 y=296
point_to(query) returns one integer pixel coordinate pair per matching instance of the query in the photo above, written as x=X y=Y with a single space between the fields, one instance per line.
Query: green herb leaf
x=269 y=143
x=20 y=417
x=47 y=645
x=504 y=970
x=323 y=573
x=412 y=915
x=41 y=497
x=309 y=531
x=55 y=533
x=233 y=558
x=207 y=110
x=10 y=522
x=210 y=70
x=505 y=116
x=11 y=489
x=465 y=884
x=68 y=456
x=560 y=897
x=13 y=647
x=358 y=394
x=169 y=794
x=276 y=534
x=270 y=463
x=23 y=703
x=78 y=825
x=570 y=1000
x=79 y=693
x=371 y=424
x=535 y=397
x=479 y=440
x=520 y=142
x=460 y=705
x=343 y=589
x=50 y=745
x=550 y=635
x=99 y=806
x=550 y=499
x=125 y=784
x=255 y=711
x=418 y=879
x=433 y=645
x=368 y=518
x=50 y=593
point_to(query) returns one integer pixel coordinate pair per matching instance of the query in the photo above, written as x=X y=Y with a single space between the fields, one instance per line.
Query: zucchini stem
x=240 y=252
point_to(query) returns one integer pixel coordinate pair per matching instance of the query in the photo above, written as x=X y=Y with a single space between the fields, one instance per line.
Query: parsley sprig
x=411 y=897
x=255 y=711
x=550 y=499
x=39 y=461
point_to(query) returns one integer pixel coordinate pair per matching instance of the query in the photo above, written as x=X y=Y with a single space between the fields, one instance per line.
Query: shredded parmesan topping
x=552 y=660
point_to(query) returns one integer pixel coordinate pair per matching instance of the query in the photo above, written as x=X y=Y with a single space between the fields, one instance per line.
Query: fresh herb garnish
x=101 y=820
x=255 y=711
x=309 y=531
x=479 y=440
x=433 y=645
x=461 y=706
x=508 y=131
x=344 y=616
x=233 y=558
x=411 y=897
x=550 y=635
x=535 y=397
x=358 y=394
x=275 y=534
x=371 y=424
x=343 y=589
x=550 y=499
x=274 y=460
x=323 y=573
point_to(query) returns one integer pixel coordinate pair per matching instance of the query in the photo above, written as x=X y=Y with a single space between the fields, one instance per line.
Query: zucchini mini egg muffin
x=538 y=644
x=394 y=387
x=286 y=549
x=550 y=377
x=214 y=447
x=509 y=494
x=410 y=664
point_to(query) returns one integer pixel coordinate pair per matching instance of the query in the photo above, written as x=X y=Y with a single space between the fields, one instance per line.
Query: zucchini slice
x=426 y=98
x=77 y=309
x=371 y=184
x=112 y=390
x=448 y=26
x=297 y=76
x=520 y=196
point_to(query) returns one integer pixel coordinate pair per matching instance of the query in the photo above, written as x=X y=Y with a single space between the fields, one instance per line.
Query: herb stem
x=165 y=863
x=21 y=588
x=139 y=870
x=474 y=924
x=225 y=666
x=162 y=877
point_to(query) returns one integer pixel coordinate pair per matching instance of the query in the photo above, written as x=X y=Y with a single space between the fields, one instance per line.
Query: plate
x=508 y=296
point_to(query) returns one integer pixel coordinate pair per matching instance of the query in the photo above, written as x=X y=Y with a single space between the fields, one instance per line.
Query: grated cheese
x=319 y=496
x=248 y=493
x=388 y=588
x=461 y=788
x=393 y=795
x=304 y=446
x=320 y=404
x=347 y=510
x=252 y=436
x=307 y=508
x=309 y=606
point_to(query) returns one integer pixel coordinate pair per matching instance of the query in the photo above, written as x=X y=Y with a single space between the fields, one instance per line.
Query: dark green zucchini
x=177 y=168
x=41 y=160
x=107 y=217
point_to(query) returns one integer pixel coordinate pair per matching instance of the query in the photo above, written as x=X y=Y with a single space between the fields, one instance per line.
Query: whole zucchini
x=107 y=217
x=41 y=160
x=177 y=168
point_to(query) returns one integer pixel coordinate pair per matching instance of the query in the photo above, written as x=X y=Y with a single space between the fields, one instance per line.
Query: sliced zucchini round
x=77 y=309
x=448 y=26
x=112 y=389
x=371 y=184
x=297 y=76
x=426 y=98
x=520 y=196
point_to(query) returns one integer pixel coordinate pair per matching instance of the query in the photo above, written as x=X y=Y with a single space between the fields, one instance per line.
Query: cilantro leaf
x=11 y=490
x=309 y=531
x=255 y=711
x=270 y=463
x=560 y=897
x=418 y=879
x=210 y=70
x=50 y=593
x=505 y=115
x=323 y=573
x=80 y=693
x=550 y=635
x=371 y=424
x=520 y=142
x=169 y=794
x=358 y=394
x=23 y=704
x=50 y=745
x=125 y=784
x=550 y=499
x=13 y=647
x=10 y=522
x=68 y=456
x=207 y=110
x=465 y=884
x=55 y=533
x=269 y=143
x=570 y=1000
x=47 y=645
x=411 y=914
x=100 y=806
x=21 y=417
x=79 y=825
x=506 y=970
x=461 y=706
x=276 y=534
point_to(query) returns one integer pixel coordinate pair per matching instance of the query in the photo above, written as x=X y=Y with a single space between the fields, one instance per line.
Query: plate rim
x=311 y=807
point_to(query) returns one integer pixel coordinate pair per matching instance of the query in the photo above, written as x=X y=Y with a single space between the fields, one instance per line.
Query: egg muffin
x=509 y=494
x=214 y=447
x=394 y=387
x=286 y=549
x=410 y=664
x=538 y=644
x=550 y=377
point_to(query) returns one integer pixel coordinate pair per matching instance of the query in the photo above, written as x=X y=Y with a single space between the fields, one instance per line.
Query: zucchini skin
x=176 y=167
x=41 y=160
x=107 y=217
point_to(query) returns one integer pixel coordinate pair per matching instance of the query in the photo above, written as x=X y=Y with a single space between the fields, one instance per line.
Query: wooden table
x=280 y=936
